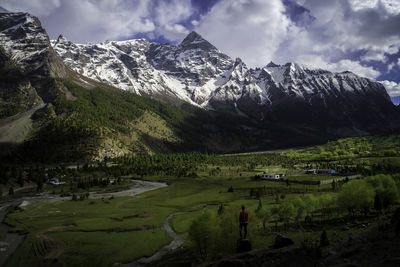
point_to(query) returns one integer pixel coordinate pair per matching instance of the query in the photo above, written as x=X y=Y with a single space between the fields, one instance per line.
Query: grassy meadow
x=101 y=232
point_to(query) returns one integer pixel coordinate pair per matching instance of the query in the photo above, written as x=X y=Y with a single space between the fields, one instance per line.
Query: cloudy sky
x=362 y=36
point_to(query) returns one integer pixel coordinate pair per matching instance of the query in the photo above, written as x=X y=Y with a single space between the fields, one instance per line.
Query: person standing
x=243 y=221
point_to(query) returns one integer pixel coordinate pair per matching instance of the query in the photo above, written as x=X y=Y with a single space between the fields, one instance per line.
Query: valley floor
x=124 y=226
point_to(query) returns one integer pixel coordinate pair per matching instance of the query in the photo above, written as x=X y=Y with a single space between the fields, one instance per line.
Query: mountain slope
x=45 y=106
x=341 y=103
x=198 y=73
x=53 y=114
x=67 y=110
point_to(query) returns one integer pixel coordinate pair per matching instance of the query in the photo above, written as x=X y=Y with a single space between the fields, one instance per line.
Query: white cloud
x=174 y=32
x=340 y=30
x=356 y=67
x=250 y=29
x=171 y=12
x=390 y=66
x=374 y=56
x=391 y=6
x=168 y=15
x=392 y=88
x=38 y=7
x=99 y=20
x=88 y=20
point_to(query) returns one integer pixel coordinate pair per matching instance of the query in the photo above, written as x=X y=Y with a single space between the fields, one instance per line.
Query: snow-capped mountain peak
x=3 y=10
x=195 y=41
x=196 y=72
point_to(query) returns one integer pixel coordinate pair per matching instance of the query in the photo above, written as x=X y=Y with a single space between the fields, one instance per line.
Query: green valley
x=210 y=189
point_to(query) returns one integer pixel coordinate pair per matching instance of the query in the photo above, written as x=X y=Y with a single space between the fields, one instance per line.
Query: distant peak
x=238 y=61
x=192 y=35
x=193 y=40
x=346 y=72
x=3 y=10
x=272 y=65
x=62 y=39
x=295 y=66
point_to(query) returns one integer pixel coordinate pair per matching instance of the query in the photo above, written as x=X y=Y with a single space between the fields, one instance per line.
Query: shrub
x=385 y=187
x=201 y=234
x=356 y=195
x=211 y=234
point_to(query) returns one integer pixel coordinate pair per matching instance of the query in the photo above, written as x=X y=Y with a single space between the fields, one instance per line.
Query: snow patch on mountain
x=22 y=39
x=197 y=72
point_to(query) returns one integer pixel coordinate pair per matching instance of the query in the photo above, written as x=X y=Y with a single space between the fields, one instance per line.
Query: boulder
x=396 y=216
x=243 y=245
x=282 y=241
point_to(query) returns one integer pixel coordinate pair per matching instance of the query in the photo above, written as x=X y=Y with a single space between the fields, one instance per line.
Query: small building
x=321 y=171
x=55 y=181
x=270 y=176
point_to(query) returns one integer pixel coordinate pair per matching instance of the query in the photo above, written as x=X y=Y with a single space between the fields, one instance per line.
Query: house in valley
x=321 y=171
x=270 y=176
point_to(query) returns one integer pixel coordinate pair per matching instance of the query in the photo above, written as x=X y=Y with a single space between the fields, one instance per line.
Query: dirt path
x=175 y=243
x=9 y=242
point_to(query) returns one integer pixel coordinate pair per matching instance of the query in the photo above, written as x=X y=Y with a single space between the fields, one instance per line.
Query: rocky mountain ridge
x=231 y=107
x=195 y=71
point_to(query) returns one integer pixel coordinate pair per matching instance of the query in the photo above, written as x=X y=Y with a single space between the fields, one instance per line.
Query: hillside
x=196 y=72
x=54 y=109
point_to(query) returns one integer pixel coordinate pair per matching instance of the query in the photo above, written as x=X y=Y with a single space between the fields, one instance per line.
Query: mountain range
x=110 y=92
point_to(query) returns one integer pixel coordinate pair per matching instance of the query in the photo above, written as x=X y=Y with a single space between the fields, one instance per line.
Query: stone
x=396 y=216
x=282 y=241
x=243 y=245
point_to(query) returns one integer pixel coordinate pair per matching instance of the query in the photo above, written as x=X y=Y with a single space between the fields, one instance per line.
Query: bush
x=201 y=234
x=356 y=195
x=301 y=208
x=385 y=187
x=284 y=212
x=211 y=233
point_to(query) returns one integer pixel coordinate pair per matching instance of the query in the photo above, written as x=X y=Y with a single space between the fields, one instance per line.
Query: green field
x=83 y=228
x=102 y=232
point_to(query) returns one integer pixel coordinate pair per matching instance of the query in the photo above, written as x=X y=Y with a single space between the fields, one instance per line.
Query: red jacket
x=244 y=216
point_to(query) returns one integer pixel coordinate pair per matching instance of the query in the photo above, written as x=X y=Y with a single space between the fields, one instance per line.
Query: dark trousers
x=241 y=226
